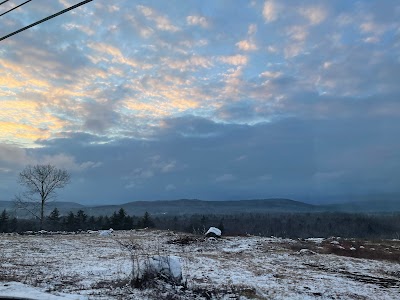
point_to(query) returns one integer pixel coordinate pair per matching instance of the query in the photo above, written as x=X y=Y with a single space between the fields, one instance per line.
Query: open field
x=89 y=266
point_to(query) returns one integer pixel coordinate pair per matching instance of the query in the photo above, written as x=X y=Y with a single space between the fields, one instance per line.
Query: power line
x=45 y=19
x=4 y=2
x=14 y=7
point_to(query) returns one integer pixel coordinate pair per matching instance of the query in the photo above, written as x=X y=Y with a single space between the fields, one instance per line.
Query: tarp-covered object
x=213 y=231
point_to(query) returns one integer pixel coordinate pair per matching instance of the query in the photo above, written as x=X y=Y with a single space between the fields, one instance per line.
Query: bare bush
x=150 y=267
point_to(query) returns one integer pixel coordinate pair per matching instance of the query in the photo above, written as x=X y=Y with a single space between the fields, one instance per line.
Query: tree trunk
x=41 y=214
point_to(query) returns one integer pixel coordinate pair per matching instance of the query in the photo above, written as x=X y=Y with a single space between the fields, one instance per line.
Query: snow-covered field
x=90 y=266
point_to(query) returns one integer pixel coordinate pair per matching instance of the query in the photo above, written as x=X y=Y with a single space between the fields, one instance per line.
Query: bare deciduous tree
x=42 y=181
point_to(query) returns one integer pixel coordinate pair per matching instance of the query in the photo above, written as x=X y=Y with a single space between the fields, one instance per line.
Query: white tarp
x=214 y=230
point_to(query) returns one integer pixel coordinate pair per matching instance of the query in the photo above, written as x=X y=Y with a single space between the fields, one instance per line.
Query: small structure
x=213 y=232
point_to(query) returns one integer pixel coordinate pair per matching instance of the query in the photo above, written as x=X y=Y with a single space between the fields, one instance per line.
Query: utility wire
x=45 y=19
x=14 y=7
x=4 y=2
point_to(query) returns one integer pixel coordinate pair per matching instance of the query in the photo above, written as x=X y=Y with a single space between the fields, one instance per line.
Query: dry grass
x=376 y=250
x=229 y=268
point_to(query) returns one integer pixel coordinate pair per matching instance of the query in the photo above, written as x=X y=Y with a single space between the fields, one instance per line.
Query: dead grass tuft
x=375 y=250
x=184 y=240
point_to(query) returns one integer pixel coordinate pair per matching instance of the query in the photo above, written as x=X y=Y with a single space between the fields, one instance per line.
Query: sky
x=212 y=99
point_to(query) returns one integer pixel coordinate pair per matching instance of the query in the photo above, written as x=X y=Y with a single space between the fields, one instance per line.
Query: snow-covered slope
x=87 y=266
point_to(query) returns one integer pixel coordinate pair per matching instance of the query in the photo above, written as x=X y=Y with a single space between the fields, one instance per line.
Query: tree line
x=78 y=221
x=286 y=225
x=290 y=225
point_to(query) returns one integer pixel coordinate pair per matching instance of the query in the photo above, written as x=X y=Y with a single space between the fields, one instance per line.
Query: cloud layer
x=212 y=99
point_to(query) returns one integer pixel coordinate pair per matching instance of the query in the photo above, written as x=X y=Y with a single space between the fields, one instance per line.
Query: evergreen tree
x=128 y=222
x=70 y=222
x=106 y=223
x=54 y=219
x=221 y=226
x=124 y=219
x=99 y=222
x=92 y=224
x=13 y=224
x=80 y=220
x=121 y=214
x=54 y=215
x=146 y=221
x=121 y=220
x=4 y=221
x=114 y=221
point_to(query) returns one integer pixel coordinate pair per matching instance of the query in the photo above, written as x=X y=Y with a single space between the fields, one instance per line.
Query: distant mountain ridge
x=195 y=206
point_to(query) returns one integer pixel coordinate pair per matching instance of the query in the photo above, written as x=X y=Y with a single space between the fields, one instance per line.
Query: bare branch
x=28 y=206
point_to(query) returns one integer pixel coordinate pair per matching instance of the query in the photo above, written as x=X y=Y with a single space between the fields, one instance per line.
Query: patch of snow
x=315 y=240
x=214 y=230
x=306 y=252
x=19 y=290
x=106 y=232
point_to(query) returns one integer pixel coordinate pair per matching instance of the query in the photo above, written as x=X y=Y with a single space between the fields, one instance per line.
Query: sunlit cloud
x=25 y=121
x=293 y=50
x=249 y=44
x=235 y=60
x=22 y=134
x=115 y=54
x=143 y=30
x=246 y=45
x=194 y=43
x=197 y=20
x=297 y=33
x=19 y=76
x=162 y=22
x=270 y=11
x=314 y=14
x=85 y=29
x=191 y=63
x=270 y=74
